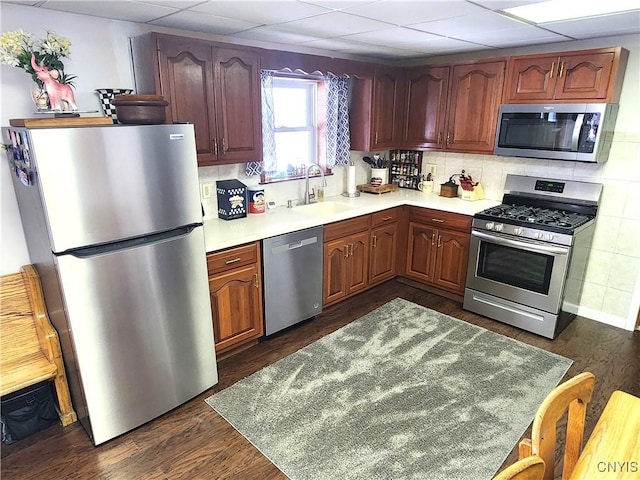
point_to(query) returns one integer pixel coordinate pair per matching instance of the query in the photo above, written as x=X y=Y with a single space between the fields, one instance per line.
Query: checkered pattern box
x=232 y=199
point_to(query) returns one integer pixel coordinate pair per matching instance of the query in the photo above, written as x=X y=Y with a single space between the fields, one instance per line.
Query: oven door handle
x=515 y=243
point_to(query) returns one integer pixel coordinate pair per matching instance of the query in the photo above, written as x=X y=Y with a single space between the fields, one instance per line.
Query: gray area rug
x=402 y=393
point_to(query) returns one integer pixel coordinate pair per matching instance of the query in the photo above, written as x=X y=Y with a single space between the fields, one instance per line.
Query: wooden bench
x=29 y=346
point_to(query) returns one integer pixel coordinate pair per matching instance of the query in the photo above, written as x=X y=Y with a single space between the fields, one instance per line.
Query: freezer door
x=141 y=325
x=100 y=184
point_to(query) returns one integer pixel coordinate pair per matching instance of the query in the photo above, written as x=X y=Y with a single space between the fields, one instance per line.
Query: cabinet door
x=334 y=270
x=238 y=106
x=357 y=262
x=421 y=252
x=584 y=76
x=382 y=262
x=236 y=303
x=426 y=103
x=451 y=260
x=386 y=108
x=531 y=78
x=186 y=81
x=474 y=101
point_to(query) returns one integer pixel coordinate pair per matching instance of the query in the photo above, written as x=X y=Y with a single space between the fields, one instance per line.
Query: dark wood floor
x=192 y=441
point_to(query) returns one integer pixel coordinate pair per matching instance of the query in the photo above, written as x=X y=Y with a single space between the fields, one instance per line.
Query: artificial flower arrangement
x=41 y=58
x=17 y=47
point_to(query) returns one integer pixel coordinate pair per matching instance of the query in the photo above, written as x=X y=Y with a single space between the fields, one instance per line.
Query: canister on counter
x=257 y=203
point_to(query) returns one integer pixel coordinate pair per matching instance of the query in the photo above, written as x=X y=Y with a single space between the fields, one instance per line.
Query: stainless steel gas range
x=528 y=256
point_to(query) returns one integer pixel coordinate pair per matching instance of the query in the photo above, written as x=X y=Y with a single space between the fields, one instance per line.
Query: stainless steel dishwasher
x=292 y=278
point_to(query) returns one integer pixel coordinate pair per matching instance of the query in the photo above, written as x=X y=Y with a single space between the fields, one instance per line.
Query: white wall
x=100 y=59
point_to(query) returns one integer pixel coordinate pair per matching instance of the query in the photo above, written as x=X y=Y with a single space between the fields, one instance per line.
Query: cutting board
x=389 y=187
x=59 y=122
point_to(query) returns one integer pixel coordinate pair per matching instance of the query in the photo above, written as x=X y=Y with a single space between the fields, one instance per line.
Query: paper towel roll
x=351 y=179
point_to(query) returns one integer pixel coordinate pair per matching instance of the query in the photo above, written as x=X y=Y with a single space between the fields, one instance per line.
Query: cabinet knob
x=255 y=276
x=374 y=241
x=224 y=146
x=439 y=241
x=215 y=146
x=233 y=260
x=433 y=239
x=553 y=68
x=561 y=69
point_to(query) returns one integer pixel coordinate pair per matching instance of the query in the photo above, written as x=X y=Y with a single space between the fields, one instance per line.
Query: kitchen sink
x=324 y=208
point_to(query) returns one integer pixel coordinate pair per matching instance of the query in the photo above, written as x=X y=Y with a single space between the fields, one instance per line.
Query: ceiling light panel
x=555 y=10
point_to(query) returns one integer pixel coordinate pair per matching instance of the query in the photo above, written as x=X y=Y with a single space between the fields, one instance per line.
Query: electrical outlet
x=205 y=190
x=430 y=168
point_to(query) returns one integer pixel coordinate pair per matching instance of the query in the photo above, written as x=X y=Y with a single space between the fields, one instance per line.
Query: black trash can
x=27 y=411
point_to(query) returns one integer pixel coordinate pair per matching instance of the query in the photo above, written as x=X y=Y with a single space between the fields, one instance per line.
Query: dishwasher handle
x=287 y=247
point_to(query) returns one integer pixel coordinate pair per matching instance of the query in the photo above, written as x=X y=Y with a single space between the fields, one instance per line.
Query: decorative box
x=232 y=199
x=449 y=189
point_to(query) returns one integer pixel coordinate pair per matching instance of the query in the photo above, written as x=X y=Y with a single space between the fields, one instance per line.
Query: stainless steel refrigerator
x=113 y=224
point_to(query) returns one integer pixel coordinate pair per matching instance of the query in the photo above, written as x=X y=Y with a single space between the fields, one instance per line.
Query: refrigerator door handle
x=96 y=250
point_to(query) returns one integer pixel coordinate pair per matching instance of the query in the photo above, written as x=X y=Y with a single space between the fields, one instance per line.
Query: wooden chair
x=29 y=345
x=573 y=395
x=528 y=468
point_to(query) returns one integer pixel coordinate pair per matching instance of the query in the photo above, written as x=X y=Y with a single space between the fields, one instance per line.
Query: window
x=295 y=106
x=305 y=120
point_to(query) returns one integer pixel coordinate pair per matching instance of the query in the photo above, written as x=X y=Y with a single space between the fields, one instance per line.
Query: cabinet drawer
x=345 y=227
x=385 y=216
x=438 y=218
x=232 y=258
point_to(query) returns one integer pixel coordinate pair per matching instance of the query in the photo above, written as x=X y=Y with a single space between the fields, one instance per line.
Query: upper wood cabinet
x=425 y=107
x=453 y=107
x=582 y=76
x=376 y=110
x=215 y=88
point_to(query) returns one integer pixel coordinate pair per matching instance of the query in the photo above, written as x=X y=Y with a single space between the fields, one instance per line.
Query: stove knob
x=499 y=227
x=539 y=235
x=517 y=231
x=548 y=237
x=489 y=226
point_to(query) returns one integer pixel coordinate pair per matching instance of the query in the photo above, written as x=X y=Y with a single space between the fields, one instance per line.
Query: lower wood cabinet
x=345 y=259
x=235 y=286
x=438 y=249
x=384 y=246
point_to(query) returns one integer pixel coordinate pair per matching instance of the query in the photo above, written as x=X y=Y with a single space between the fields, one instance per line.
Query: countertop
x=220 y=234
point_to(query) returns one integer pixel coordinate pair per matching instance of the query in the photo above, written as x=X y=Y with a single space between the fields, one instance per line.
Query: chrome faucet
x=310 y=197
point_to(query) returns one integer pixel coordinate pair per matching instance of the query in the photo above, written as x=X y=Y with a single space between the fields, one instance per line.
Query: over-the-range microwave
x=578 y=131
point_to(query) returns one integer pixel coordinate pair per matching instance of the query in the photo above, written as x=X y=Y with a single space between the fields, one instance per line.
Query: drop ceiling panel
x=391 y=36
x=514 y=36
x=261 y=12
x=372 y=28
x=410 y=12
x=200 y=22
x=333 y=24
x=275 y=34
x=461 y=27
x=118 y=10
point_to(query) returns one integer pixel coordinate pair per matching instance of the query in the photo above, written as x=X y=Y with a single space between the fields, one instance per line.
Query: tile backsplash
x=614 y=265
